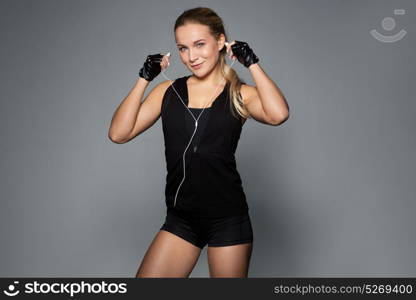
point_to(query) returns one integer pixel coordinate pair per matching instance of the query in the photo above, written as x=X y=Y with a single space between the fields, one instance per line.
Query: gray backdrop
x=331 y=191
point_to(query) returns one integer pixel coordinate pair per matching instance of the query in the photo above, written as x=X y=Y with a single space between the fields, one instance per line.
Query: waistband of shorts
x=196 y=216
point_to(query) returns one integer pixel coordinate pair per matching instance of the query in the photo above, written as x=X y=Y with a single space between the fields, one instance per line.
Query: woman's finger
x=167 y=56
x=165 y=61
x=227 y=46
x=229 y=49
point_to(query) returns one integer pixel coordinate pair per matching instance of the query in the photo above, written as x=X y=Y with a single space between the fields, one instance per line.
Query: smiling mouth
x=193 y=66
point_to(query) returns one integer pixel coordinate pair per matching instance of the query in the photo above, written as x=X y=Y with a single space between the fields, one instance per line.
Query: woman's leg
x=229 y=261
x=169 y=256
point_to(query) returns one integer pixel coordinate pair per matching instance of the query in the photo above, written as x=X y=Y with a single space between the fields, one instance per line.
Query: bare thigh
x=229 y=261
x=168 y=256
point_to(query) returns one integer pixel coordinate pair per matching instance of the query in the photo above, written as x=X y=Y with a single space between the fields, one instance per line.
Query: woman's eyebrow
x=194 y=42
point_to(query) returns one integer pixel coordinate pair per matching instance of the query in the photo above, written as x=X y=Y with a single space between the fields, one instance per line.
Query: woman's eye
x=199 y=44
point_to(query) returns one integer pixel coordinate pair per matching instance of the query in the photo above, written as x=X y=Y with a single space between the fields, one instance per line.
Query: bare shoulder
x=252 y=103
x=155 y=96
x=248 y=93
x=165 y=84
x=161 y=87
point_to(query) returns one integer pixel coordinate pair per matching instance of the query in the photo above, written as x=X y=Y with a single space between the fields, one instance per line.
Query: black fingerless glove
x=151 y=67
x=244 y=54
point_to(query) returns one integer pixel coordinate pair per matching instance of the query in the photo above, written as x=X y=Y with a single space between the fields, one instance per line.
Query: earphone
x=196 y=125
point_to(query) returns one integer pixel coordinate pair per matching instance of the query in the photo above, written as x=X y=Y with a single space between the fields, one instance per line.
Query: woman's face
x=196 y=46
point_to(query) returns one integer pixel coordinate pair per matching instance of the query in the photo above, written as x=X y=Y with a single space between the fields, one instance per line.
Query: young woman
x=202 y=117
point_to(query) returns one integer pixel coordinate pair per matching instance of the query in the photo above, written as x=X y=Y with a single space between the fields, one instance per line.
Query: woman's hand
x=242 y=52
x=153 y=65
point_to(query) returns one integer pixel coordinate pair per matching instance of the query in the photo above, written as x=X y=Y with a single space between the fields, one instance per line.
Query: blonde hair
x=206 y=16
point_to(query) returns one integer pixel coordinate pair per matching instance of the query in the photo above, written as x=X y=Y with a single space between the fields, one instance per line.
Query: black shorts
x=225 y=231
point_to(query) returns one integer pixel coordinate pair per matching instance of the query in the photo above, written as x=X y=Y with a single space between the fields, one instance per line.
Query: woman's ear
x=222 y=42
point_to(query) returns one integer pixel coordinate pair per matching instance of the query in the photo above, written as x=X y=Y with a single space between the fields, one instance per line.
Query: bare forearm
x=125 y=115
x=272 y=99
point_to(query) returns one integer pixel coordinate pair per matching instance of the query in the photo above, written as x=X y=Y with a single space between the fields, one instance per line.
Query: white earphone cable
x=196 y=126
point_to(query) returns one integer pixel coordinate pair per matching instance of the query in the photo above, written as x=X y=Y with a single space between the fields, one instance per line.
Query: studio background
x=331 y=191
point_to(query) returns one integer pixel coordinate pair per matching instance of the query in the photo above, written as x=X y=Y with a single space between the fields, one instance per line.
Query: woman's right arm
x=133 y=117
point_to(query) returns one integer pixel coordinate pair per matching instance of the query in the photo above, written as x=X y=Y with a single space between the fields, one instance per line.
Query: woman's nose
x=192 y=56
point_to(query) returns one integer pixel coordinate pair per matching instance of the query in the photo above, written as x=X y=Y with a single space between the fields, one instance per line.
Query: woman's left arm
x=264 y=102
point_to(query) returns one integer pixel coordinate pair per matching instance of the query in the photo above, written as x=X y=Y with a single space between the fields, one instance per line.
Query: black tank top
x=212 y=186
